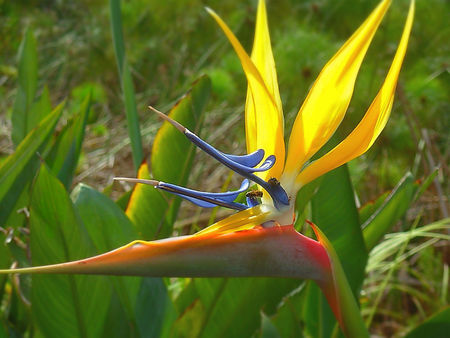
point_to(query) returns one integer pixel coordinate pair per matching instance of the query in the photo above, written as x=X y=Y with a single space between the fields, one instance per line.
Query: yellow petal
x=262 y=58
x=243 y=220
x=264 y=118
x=371 y=125
x=329 y=97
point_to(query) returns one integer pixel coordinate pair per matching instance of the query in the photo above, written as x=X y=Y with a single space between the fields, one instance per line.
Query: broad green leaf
x=334 y=211
x=233 y=305
x=190 y=321
x=268 y=329
x=19 y=167
x=147 y=209
x=123 y=200
x=153 y=294
x=142 y=304
x=109 y=228
x=116 y=323
x=65 y=152
x=18 y=316
x=40 y=108
x=317 y=314
x=216 y=305
x=341 y=295
x=63 y=306
x=151 y=210
x=288 y=319
x=106 y=224
x=27 y=76
x=392 y=209
x=438 y=325
x=303 y=198
x=19 y=205
x=187 y=296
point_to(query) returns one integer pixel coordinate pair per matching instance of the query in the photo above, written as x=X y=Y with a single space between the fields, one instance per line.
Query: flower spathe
x=263 y=226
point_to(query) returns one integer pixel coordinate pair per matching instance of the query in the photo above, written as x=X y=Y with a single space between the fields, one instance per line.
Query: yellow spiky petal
x=264 y=117
x=329 y=97
x=258 y=119
x=371 y=125
x=243 y=220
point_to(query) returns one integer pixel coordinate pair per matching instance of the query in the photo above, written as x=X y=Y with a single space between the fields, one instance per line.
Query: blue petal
x=207 y=199
x=277 y=193
x=250 y=160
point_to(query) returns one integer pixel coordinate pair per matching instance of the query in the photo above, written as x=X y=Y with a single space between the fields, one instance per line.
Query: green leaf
x=109 y=228
x=334 y=211
x=3 y=333
x=117 y=34
x=5 y=261
x=153 y=294
x=288 y=319
x=107 y=225
x=438 y=325
x=65 y=152
x=189 y=321
x=392 y=209
x=19 y=167
x=426 y=183
x=302 y=201
x=63 y=306
x=346 y=303
x=20 y=195
x=268 y=329
x=132 y=116
x=141 y=304
x=370 y=207
x=151 y=210
x=233 y=305
x=316 y=313
x=27 y=76
x=127 y=83
x=40 y=109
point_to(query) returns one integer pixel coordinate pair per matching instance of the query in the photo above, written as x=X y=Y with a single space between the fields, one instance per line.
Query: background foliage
x=75 y=91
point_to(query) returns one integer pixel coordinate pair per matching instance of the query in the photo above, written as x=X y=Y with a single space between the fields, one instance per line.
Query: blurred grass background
x=169 y=44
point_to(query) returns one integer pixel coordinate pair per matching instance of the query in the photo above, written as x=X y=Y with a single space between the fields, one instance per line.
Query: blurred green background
x=171 y=43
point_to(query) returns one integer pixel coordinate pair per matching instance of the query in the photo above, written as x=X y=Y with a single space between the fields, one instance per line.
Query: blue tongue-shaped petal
x=208 y=199
x=250 y=160
x=278 y=194
x=200 y=198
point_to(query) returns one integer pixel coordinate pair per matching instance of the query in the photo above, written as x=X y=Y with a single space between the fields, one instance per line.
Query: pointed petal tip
x=137 y=180
x=174 y=123
x=317 y=118
x=369 y=128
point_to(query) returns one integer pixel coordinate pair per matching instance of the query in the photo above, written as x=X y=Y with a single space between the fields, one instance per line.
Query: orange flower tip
x=137 y=180
x=314 y=227
x=168 y=119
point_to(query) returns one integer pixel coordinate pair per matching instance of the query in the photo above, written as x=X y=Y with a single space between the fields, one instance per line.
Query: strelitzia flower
x=263 y=226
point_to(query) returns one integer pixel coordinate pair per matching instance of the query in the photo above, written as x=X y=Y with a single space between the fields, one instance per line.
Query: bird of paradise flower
x=263 y=226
